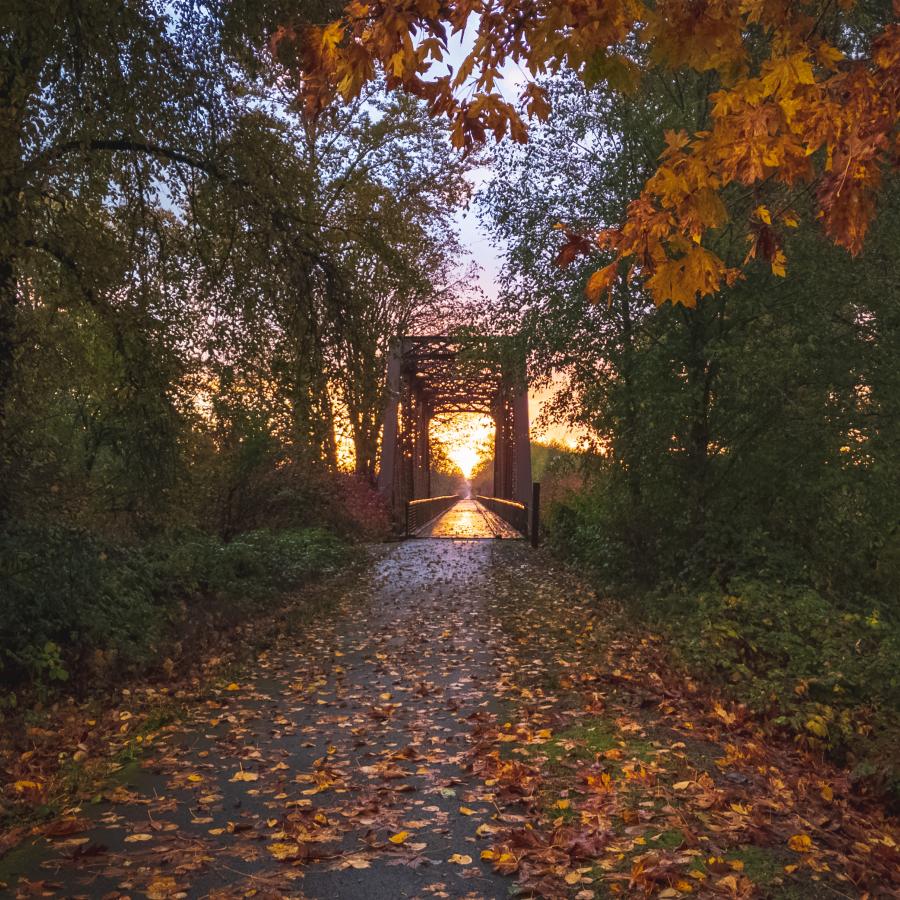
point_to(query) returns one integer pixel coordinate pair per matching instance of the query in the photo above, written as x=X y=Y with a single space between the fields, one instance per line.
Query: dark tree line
x=199 y=281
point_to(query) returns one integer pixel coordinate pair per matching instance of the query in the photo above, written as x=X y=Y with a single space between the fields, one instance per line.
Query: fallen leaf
x=161 y=888
x=460 y=859
x=243 y=775
x=23 y=786
x=281 y=850
x=800 y=843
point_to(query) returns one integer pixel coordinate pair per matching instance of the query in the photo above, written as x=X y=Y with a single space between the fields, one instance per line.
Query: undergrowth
x=76 y=610
x=814 y=660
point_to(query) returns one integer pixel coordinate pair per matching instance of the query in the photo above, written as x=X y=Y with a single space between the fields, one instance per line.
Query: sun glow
x=464 y=439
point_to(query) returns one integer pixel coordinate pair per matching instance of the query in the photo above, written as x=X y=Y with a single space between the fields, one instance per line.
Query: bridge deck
x=468 y=519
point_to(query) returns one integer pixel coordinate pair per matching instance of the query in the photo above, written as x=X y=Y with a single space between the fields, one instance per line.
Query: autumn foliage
x=790 y=114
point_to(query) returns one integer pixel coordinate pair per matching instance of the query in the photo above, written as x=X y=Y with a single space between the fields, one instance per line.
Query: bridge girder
x=435 y=375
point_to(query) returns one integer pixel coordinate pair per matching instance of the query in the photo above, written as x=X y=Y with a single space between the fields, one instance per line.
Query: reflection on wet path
x=468 y=519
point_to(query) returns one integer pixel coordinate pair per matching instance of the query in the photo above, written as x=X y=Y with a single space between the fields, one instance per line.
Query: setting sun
x=466 y=439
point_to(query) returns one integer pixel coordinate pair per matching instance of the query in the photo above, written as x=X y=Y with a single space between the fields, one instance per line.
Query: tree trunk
x=10 y=165
x=701 y=376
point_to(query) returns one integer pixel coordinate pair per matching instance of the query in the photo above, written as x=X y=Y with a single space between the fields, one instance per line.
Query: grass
x=764 y=866
x=587 y=741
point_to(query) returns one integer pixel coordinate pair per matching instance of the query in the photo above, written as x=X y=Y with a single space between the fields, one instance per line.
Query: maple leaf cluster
x=800 y=115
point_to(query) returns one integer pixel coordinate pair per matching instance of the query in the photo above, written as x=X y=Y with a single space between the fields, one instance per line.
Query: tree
x=186 y=231
x=97 y=112
x=753 y=434
x=390 y=183
x=800 y=99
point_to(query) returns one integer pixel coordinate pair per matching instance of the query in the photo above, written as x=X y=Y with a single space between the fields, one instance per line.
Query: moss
x=668 y=840
x=24 y=858
x=580 y=742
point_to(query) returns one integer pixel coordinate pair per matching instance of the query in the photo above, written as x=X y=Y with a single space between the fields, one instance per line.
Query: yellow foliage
x=764 y=129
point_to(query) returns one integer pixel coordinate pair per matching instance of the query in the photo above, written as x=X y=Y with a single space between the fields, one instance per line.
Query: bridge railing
x=514 y=514
x=420 y=512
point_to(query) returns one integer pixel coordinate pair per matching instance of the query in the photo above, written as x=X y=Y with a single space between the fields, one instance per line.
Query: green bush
x=820 y=664
x=827 y=674
x=68 y=590
x=69 y=600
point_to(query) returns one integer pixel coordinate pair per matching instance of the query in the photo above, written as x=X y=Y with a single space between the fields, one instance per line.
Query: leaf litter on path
x=469 y=718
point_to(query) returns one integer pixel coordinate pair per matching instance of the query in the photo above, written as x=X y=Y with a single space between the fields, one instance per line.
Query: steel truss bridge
x=436 y=375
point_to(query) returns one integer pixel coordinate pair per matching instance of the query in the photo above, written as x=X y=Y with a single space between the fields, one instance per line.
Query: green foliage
x=73 y=605
x=746 y=476
x=822 y=670
x=787 y=647
x=194 y=276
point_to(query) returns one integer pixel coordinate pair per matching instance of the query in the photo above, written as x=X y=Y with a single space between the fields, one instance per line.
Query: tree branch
x=131 y=145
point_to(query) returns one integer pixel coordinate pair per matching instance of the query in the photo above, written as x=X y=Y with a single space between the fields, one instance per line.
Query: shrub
x=63 y=588
x=825 y=673
x=71 y=602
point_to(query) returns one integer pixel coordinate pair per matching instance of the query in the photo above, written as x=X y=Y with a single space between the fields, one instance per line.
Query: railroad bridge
x=435 y=375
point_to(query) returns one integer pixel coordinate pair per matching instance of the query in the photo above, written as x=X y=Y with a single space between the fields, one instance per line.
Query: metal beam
x=431 y=375
x=390 y=424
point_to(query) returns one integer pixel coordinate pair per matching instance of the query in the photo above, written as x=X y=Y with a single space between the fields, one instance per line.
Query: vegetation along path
x=449 y=732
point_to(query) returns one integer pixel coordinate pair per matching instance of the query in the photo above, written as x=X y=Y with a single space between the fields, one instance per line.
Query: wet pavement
x=334 y=768
x=468 y=519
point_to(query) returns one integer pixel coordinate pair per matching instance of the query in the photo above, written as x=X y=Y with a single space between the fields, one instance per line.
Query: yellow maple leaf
x=828 y=55
x=601 y=282
x=332 y=35
x=399 y=837
x=800 y=843
x=281 y=850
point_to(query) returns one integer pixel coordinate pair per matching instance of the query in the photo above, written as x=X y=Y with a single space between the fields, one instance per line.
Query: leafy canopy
x=802 y=97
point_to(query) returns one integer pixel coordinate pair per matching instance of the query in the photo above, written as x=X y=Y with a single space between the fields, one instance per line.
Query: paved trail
x=466 y=697
x=360 y=736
